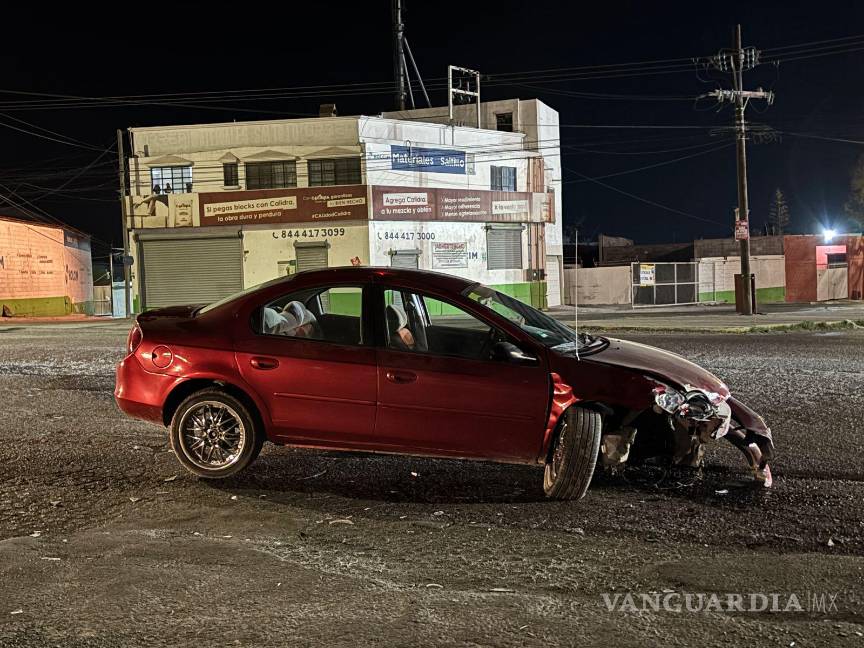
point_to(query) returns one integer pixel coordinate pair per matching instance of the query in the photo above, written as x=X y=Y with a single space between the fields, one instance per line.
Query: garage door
x=311 y=256
x=190 y=270
x=553 y=281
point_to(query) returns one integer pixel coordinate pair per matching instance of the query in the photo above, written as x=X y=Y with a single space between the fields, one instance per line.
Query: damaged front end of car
x=691 y=419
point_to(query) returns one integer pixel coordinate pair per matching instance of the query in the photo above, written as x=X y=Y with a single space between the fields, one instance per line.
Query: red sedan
x=419 y=363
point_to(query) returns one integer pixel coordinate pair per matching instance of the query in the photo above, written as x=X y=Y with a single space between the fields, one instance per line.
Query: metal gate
x=665 y=284
x=189 y=269
x=310 y=256
x=102 y=301
x=405 y=259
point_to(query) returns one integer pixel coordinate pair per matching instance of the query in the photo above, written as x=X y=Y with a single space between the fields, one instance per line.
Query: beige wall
x=717 y=274
x=265 y=248
x=597 y=286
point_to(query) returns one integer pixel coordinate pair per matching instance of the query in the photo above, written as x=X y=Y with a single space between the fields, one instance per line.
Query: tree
x=778 y=214
x=855 y=205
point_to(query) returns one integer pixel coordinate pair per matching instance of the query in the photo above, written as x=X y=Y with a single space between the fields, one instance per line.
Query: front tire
x=573 y=455
x=214 y=435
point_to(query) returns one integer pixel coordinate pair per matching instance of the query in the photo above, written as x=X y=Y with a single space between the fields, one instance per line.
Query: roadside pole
x=747 y=301
x=122 y=174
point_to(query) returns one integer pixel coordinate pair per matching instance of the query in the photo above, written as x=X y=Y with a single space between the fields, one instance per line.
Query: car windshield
x=237 y=295
x=538 y=325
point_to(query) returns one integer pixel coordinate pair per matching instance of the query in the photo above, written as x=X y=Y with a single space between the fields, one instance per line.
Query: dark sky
x=176 y=48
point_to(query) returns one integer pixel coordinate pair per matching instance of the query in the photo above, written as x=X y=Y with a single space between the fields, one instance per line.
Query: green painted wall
x=37 y=306
x=763 y=295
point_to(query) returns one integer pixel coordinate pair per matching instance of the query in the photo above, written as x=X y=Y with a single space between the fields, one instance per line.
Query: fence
x=664 y=284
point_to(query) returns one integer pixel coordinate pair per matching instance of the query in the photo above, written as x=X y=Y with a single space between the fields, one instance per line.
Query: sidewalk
x=720 y=318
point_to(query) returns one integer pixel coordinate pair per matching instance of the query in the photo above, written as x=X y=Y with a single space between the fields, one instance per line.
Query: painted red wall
x=800 y=254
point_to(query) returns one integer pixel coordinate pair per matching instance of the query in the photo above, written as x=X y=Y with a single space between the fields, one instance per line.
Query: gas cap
x=162 y=356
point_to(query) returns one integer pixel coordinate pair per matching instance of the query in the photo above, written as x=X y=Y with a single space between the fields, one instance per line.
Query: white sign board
x=449 y=255
x=647 y=274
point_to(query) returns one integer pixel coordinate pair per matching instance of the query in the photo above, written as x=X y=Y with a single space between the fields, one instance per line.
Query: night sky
x=88 y=51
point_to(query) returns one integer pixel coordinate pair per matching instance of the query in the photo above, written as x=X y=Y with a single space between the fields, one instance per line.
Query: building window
x=271 y=175
x=503 y=178
x=336 y=171
x=230 y=177
x=173 y=179
x=504 y=122
x=504 y=247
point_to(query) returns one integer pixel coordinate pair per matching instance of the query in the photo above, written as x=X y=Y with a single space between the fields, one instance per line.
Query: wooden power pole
x=735 y=62
x=122 y=174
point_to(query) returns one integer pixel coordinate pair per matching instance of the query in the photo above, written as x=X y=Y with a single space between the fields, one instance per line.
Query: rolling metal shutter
x=311 y=257
x=190 y=270
x=405 y=259
x=504 y=248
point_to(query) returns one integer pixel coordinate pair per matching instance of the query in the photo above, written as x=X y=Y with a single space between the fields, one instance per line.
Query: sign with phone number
x=407 y=236
x=314 y=232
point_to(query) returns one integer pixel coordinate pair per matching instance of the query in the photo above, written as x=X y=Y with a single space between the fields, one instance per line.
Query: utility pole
x=122 y=175
x=399 y=53
x=735 y=61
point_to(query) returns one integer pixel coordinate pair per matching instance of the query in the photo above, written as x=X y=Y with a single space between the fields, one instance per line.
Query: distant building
x=215 y=208
x=45 y=270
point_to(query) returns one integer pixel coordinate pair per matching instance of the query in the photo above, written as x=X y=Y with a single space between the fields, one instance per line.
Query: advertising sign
x=647 y=274
x=467 y=205
x=309 y=204
x=449 y=255
x=742 y=230
x=414 y=158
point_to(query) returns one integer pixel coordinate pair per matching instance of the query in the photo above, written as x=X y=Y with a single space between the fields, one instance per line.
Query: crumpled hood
x=664 y=365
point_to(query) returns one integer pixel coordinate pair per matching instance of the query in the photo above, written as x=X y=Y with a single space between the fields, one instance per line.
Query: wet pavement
x=105 y=541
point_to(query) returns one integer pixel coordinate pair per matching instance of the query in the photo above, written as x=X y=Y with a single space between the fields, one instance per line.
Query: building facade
x=216 y=208
x=44 y=270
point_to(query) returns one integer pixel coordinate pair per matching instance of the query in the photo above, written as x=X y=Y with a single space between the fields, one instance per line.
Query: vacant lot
x=104 y=541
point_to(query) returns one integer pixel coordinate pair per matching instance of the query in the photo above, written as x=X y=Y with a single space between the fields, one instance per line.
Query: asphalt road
x=104 y=541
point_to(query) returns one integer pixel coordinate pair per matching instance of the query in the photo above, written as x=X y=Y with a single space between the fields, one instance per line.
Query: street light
x=828 y=234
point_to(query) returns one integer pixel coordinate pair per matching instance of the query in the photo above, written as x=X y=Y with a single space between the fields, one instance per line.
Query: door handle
x=401 y=377
x=259 y=362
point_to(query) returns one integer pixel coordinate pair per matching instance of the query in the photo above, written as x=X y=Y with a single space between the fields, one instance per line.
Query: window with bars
x=334 y=171
x=503 y=178
x=171 y=179
x=504 y=248
x=271 y=175
x=230 y=175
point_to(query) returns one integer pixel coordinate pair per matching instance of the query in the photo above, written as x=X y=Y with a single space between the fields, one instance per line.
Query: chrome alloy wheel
x=212 y=435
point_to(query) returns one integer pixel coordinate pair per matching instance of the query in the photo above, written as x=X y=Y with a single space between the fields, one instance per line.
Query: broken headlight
x=667 y=399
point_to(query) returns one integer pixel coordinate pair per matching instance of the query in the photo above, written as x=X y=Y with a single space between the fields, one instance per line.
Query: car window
x=330 y=315
x=422 y=324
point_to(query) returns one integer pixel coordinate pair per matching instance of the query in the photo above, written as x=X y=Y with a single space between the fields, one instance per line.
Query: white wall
x=717 y=274
x=388 y=236
x=598 y=286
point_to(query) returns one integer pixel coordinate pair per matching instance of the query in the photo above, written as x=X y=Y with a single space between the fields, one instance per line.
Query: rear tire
x=573 y=455
x=214 y=435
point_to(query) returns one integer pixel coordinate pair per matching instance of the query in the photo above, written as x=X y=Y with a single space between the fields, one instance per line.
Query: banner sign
x=449 y=255
x=308 y=204
x=647 y=274
x=414 y=158
x=466 y=205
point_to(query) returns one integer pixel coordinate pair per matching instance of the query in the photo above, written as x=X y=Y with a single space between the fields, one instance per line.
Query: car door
x=310 y=356
x=440 y=393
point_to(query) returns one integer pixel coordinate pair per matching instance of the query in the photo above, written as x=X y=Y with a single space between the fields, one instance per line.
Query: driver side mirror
x=508 y=352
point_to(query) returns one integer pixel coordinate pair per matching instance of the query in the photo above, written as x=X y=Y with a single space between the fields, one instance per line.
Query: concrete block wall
x=717 y=278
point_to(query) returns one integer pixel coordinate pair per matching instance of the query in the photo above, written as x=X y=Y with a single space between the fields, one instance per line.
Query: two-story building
x=215 y=208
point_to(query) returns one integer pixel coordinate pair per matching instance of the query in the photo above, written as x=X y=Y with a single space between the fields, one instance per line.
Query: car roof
x=417 y=278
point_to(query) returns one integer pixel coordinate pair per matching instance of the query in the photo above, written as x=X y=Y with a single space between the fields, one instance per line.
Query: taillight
x=135 y=338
